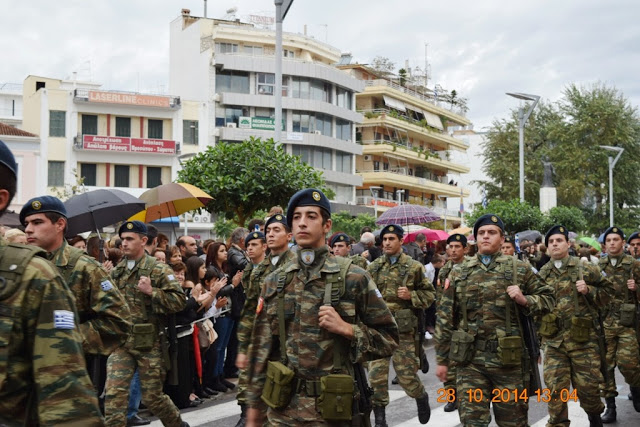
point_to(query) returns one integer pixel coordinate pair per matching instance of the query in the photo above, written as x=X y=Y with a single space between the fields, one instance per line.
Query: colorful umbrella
x=170 y=200
x=431 y=235
x=591 y=242
x=461 y=230
x=407 y=214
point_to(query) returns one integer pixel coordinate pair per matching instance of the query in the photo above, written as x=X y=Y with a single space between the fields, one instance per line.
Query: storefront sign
x=136 y=145
x=258 y=123
x=129 y=99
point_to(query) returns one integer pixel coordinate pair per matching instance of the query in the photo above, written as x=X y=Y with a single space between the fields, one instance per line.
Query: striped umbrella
x=408 y=214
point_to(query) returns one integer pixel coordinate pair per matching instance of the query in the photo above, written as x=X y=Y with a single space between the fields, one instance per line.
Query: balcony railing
x=406 y=172
x=439 y=155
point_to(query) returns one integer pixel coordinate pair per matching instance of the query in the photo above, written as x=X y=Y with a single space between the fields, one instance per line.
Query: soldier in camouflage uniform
x=357 y=328
x=152 y=293
x=278 y=237
x=508 y=246
x=620 y=333
x=571 y=357
x=457 y=244
x=634 y=244
x=341 y=246
x=405 y=288
x=473 y=311
x=43 y=380
x=104 y=314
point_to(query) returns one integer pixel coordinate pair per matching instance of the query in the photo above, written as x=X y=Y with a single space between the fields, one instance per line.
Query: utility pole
x=282 y=7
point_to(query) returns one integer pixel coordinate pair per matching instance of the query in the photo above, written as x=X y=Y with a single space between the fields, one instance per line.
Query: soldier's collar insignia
x=486 y=259
x=316 y=196
x=129 y=226
x=307 y=256
x=494 y=218
x=36 y=204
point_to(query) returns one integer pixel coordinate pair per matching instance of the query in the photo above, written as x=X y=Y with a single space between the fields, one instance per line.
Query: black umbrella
x=10 y=219
x=99 y=208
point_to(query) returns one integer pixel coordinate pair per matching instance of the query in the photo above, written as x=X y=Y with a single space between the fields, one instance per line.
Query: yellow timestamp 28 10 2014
x=510 y=395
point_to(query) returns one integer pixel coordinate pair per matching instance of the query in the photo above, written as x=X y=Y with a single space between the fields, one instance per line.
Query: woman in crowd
x=78 y=242
x=173 y=255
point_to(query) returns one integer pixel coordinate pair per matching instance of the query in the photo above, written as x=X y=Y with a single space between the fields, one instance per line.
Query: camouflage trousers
x=120 y=368
x=243 y=382
x=475 y=411
x=622 y=351
x=302 y=410
x=451 y=377
x=565 y=367
x=405 y=363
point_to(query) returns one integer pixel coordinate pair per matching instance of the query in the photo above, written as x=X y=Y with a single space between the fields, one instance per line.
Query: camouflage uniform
x=310 y=348
x=484 y=289
x=42 y=369
x=104 y=313
x=443 y=274
x=567 y=362
x=167 y=298
x=360 y=261
x=388 y=277
x=622 y=343
x=245 y=327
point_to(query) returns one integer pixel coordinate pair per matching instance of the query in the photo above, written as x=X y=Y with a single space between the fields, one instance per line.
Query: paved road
x=224 y=411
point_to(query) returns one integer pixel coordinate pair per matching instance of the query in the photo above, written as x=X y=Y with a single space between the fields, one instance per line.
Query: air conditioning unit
x=197 y=218
x=216 y=97
x=317 y=132
x=232 y=125
x=367 y=158
x=206 y=217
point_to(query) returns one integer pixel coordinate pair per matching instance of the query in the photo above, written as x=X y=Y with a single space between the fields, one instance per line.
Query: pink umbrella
x=431 y=235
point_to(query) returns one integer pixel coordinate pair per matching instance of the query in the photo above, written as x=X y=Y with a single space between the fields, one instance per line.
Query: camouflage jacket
x=563 y=281
x=43 y=378
x=104 y=315
x=310 y=348
x=405 y=272
x=167 y=296
x=626 y=268
x=359 y=260
x=256 y=276
x=443 y=274
x=484 y=290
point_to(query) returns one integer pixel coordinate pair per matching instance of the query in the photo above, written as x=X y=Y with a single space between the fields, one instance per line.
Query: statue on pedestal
x=547 y=180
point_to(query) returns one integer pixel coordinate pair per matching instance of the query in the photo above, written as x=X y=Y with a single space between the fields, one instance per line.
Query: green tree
x=383 y=66
x=69 y=190
x=402 y=76
x=517 y=216
x=247 y=176
x=569 y=216
x=343 y=221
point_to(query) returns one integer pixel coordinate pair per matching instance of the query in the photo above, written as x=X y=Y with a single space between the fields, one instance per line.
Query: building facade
x=230 y=66
x=25 y=147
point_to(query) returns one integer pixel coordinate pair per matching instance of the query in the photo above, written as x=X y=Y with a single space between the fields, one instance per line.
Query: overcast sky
x=482 y=49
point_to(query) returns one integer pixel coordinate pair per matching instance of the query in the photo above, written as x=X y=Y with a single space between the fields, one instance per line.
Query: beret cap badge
x=130 y=226
x=391 y=228
x=458 y=237
x=494 y=218
x=279 y=217
x=36 y=204
x=255 y=235
x=316 y=196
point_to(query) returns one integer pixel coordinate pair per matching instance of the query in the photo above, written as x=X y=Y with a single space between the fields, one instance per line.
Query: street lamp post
x=282 y=7
x=374 y=193
x=612 y=164
x=523 y=117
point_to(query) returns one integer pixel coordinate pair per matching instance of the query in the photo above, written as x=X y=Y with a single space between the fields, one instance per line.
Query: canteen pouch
x=580 y=328
x=143 y=336
x=278 y=385
x=406 y=320
x=627 y=314
x=462 y=346
x=510 y=351
x=336 y=398
x=549 y=325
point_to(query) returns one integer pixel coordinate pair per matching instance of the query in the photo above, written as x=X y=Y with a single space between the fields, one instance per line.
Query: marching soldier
x=571 y=348
x=478 y=327
x=405 y=288
x=43 y=379
x=634 y=245
x=620 y=321
x=341 y=246
x=317 y=317
x=153 y=293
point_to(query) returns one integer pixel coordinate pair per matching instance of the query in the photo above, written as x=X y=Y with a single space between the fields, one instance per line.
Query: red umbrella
x=196 y=351
x=431 y=235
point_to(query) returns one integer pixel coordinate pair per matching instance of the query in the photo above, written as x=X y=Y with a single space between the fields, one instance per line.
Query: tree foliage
x=69 y=190
x=568 y=133
x=569 y=216
x=343 y=221
x=247 y=176
x=384 y=66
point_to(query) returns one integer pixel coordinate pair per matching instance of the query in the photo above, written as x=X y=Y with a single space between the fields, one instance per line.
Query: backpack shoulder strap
x=335 y=285
x=13 y=262
x=74 y=256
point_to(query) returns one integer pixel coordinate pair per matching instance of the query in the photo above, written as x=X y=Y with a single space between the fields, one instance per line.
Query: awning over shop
x=433 y=120
x=394 y=103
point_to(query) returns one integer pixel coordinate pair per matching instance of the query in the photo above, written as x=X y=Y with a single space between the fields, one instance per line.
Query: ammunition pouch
x=549 y=325
x=406 y=320
x=580 y=328
x=462 y=347
x=627 y=314
x=510 y=351
x=278 y=386
x=336 y=399
x=144 y=336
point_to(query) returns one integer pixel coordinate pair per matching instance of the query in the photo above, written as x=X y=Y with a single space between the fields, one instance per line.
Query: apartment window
x=267 y=84
x=343 y=98
x=88 y=172
x=190 y=132
x=303 y=152
x=322 y=158
x=232 y=81
x=320 y=91
x=89 y=124
x=55 y=175
x=288 y=53
x=154 y=176
x=121 y=176
x=226 y=47
x=376 y=165
x=305 y=88
x=57 y=122
x=343 y=130
x=123 y=126
x=343 y=162
x=306 y=122
x=253 y=50
x=155 y=129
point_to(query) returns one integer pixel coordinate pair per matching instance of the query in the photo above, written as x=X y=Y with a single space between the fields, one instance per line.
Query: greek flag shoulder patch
x=63 y=319
x=106 y=285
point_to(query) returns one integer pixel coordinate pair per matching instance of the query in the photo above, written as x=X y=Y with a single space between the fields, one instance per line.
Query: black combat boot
x=424 y=411
x=635 y=397
x=394 y=381
x=610 y=414
x=451 y=406
x=243 y=416
x=380 y=416
x=595 y=420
